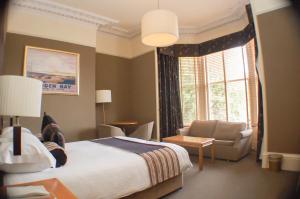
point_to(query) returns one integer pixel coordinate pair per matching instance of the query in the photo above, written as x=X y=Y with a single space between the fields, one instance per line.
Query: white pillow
x=34 y=155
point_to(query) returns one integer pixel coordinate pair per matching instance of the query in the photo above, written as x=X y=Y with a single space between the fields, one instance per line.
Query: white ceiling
x=194 y=15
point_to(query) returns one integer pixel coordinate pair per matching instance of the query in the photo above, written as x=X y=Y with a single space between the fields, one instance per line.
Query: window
x=220 y=86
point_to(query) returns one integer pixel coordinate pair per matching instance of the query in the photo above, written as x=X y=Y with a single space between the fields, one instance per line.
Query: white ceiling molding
x=64 y=11
x=237 y=13
x=119 y=31
x=111 y=26
x=122 y=32
x=264 y=6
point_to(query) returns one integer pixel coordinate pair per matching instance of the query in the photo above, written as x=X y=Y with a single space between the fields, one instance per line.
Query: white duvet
x=97 y=171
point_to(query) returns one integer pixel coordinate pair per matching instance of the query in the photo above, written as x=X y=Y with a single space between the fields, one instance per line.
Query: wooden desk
x=124 y=123
x=56 y=189
x=195 y=142
x=126 y=126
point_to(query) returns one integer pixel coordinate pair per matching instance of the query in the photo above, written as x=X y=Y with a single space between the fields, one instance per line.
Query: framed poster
x=58 y=70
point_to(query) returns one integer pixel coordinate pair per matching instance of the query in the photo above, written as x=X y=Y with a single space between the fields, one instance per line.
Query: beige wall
x=142 y=90
x=75 y=114
x=113 y=73
x=132 y=82
x=3 y=29
x=110 y=44
x=280 y=43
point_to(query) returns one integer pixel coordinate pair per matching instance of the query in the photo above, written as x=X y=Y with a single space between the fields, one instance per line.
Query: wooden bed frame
x=159 y=190
x=155 y=192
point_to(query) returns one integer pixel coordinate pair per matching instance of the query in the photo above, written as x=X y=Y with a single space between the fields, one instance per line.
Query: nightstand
x=56 y=188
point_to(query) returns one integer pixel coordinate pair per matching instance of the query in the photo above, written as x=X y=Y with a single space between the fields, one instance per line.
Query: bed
x=98 y=171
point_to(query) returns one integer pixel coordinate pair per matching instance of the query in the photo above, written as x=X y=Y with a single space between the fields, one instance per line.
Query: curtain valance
x=219 y=44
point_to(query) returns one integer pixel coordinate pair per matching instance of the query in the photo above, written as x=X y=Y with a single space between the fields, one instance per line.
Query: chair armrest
x=183 y=131
x=242 y=138
x=246 y=133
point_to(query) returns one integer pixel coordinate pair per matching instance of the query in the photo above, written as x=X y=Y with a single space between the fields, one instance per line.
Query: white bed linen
x=97 y=171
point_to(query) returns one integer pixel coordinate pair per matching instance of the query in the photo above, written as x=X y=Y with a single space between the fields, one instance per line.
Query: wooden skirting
x=159 y=190
x=290 y=162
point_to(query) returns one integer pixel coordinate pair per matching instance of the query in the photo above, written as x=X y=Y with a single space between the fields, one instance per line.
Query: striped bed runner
x=162 y=161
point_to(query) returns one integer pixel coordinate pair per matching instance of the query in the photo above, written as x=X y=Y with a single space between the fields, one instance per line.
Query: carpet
x=236 y=180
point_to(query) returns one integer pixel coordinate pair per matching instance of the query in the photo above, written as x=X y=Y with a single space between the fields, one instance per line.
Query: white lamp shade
x=103 y=96
x=159 y=28
x=20 y=96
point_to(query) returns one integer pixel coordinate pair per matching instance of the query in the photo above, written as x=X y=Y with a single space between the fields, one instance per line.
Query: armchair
x=232 y=139
x=109 y=131
x=143 y=132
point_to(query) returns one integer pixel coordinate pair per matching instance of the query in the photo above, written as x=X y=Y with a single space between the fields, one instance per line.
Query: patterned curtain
x=169 y=95
x=296 y=5
x=219 y=44
x=260 y=123
x=260 y=132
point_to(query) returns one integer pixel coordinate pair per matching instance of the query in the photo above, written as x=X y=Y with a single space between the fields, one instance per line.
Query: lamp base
x=17 y=140
x=103 y=109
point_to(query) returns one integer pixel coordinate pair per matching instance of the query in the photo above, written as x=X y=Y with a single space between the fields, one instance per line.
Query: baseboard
x=290 y=162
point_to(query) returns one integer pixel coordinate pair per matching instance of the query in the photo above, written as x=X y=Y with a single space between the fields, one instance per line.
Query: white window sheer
x=220 y=86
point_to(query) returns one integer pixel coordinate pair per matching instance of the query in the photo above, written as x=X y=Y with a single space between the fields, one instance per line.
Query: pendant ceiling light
x=159 y=28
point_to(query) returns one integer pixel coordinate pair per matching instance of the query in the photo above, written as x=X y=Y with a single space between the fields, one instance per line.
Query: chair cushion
x=202 y=128
x=228 y=130
x=224 y=142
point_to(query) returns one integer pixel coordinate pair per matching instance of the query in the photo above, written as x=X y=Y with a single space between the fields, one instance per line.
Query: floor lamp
x=103 y=96
x=19 y=97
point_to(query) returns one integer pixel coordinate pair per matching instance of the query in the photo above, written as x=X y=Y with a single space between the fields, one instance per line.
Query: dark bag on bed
x=58 y=153
x=47 y=119
x=51 y=132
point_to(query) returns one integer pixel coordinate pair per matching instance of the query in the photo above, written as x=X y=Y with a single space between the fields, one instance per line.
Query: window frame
x=245 y=80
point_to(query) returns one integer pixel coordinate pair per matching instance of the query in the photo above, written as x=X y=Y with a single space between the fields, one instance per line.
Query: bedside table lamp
x=103 y=96
x=19 y=97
